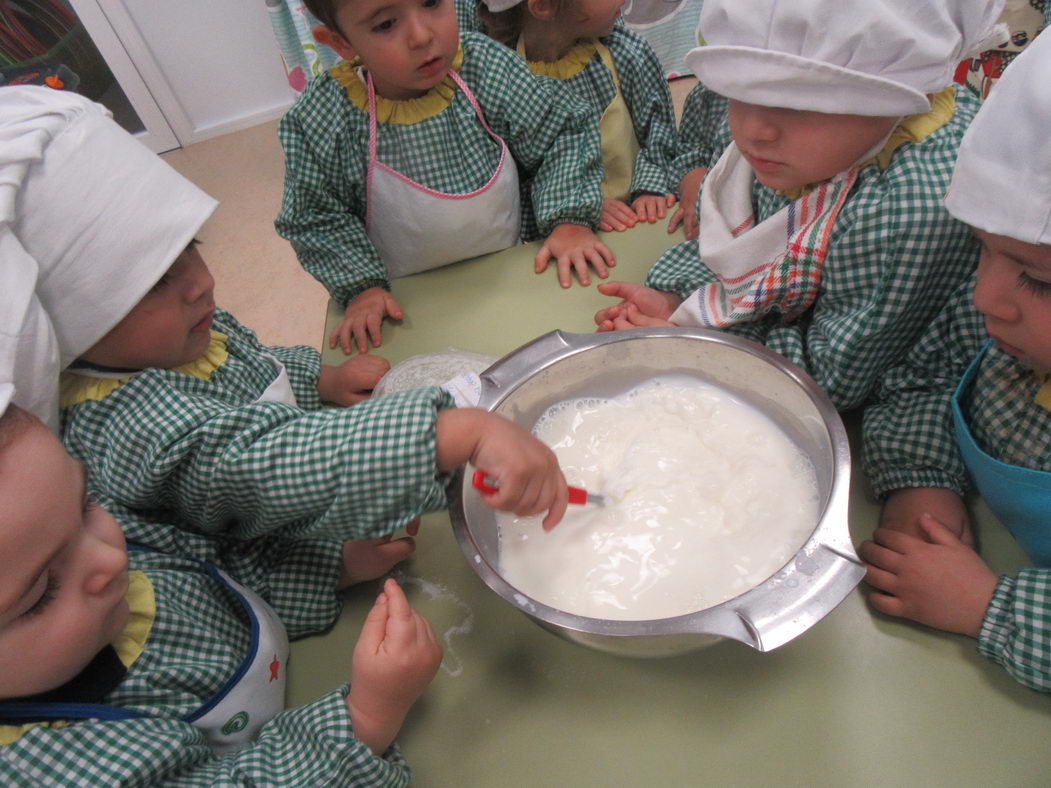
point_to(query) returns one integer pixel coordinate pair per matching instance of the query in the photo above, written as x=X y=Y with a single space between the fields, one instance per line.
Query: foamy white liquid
x=705 y=498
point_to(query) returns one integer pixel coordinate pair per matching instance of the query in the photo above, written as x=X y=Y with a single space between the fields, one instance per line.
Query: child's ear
x=544 y=10
x=330 y=38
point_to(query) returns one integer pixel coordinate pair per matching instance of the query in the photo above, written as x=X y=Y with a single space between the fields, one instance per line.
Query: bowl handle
x=497 y=377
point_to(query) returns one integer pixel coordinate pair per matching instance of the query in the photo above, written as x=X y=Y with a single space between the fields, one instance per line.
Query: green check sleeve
x=704 y=131
x=310 y=745
x=323 y=207
x=908 y=438
x=246 y=470
x=1016 y=630
x=646 y=93
x=552 y=134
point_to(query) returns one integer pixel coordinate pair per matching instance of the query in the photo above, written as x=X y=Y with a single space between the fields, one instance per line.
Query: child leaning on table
x=822 y=232
x=971 y=404
x=617 y=73
x=158 y=665
x=211 y=428
x=396 y=159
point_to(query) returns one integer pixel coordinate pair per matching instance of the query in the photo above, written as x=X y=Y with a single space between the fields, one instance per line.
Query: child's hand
x=395 y=659
x=905 y=507
x=651 y=207
x=363 y=319
x=525 y=469
x=686 y=214
x=573 y=245
x=628 y=316
x=650 y=307
x=352 y=381
x=368 y=559
x=936 y=580
x=616 y=215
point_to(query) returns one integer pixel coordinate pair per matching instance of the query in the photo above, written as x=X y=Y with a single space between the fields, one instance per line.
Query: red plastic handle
x=481 y=481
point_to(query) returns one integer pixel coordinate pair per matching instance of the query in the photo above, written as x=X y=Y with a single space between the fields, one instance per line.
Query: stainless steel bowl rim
x=765 y=616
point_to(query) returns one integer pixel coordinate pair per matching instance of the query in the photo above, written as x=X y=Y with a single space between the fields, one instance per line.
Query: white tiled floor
x=257 y=277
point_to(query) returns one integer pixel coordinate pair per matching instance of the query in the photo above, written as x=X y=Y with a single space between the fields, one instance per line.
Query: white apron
x=255 y=694
x=776 y=264
x=416 y=228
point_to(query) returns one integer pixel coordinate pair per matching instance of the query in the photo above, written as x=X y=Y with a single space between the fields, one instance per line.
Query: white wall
x=212 y=65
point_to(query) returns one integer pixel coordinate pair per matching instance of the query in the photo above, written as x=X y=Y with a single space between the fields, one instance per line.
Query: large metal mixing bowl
x=559 y=366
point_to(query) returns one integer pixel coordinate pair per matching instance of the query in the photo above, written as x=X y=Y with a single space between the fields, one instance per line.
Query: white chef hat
x=496 y=6
x=89 y=221
x=1002 y=180
x=855 y=57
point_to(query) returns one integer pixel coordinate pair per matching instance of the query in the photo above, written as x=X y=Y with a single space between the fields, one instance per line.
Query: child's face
x=169 y=327
x=790 y=148
x=408 y=46
x=65 y=568
x=591 y=18
x=1014 y=294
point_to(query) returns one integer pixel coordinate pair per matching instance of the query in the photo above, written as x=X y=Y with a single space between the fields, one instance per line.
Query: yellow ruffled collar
x=569 y=65
x=351 y=75
x=79 y=386
x=129 y=645
x=912 y=129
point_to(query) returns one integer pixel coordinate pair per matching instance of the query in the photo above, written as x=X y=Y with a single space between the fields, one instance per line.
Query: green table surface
x=859 y=699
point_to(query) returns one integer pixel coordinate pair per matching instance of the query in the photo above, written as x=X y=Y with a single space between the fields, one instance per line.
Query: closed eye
x=1037 y=287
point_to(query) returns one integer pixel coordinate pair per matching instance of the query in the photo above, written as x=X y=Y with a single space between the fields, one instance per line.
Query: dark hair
x=506 y=26
x=325 y=11
x=503 y=26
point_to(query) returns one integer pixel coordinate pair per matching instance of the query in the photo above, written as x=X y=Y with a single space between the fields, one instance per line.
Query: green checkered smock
x=646 y=93
x=908 y=430
x=908 y=441
x=704 y=131
x=894 y=257
x=552 y=135
x=197 y=640
x=224 y=463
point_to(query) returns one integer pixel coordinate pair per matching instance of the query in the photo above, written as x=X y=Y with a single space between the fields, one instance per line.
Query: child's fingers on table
x=881 y=579
x=887 y=603
x=880 y=556
x=375 y=627
x=400 y=625
x=676 y=219
x=542 y=259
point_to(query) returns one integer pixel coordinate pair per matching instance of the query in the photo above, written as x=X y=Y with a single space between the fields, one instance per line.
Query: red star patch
x=274 y=667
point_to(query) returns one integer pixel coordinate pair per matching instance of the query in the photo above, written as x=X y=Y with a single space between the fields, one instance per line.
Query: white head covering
x=89 y=221
x=496 y=6
x=1002 y=180
x=855 y=57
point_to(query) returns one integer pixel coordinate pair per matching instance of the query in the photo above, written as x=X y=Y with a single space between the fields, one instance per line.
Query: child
x=213 y=429
x=704 y=134
x=821 y=228
x=971 y=402
x=617 y=73
x=119 y=667
x=395 y=158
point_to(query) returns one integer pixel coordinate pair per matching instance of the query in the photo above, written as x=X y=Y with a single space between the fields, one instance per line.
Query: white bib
x=416 y=228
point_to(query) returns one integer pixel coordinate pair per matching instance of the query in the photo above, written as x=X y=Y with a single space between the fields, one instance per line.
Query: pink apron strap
x=373 y=162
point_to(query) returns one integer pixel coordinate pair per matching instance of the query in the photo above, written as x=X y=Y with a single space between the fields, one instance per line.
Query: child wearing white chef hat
x=971 y=405
x=165 y=661
x=822 y=232
x=174 y=406
x=238 y=489
x=425 y=147
x=615 y=71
